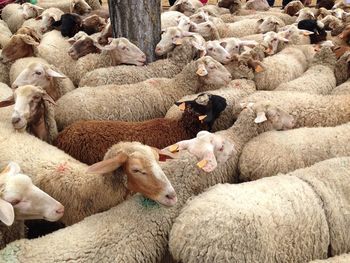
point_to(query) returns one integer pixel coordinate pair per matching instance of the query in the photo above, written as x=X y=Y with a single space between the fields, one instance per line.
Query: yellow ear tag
x=268 y=50
x=174 y=148
x=202 y=163
x=305 y=34
x=201 y=72
x=6 y=170
x=178 y=41
x=258 y=68
x=182 y=106
x=202 y=117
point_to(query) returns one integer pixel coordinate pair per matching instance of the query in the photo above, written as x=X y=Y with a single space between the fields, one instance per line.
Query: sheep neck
x=191 y=123
x=37 y=126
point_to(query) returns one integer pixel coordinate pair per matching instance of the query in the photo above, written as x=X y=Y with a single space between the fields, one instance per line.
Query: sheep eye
x=36 y=97
x=15 y=202
x=38 y=73
x=210 y=49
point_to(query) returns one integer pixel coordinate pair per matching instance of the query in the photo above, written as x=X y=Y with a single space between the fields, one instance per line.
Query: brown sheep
x=88 y=141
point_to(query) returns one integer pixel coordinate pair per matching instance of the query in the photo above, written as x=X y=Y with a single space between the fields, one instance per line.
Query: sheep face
x=143 y=173
x=83 y=46
x=184 y=23
x=125 y=52
x=105 y=34
x=205 y=29
x=268 y=24
x=40 y=75
x=171 y=37
x=70 y=24
x=258 y=5
x=345 y=34
x=28 y=109
x=30 y=10
x=47 y=20
x=271 y=40
x=21 y=198
x=304 y=14
x=212 y=72
x=79 y=7
x=271 y=115
x=293 y=7
x=19 y=46
x=199 y=17
x=184 y=6
x=216 y=50
x=93 y=24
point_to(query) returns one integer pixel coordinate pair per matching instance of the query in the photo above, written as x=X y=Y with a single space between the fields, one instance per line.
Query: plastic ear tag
x=178 y=42
x=174 y=148
x=202 y=117
x=182 y=106
x=258 y=69
x=202 y=163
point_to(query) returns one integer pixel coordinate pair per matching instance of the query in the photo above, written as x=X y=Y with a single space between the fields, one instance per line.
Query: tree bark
x=138 y=21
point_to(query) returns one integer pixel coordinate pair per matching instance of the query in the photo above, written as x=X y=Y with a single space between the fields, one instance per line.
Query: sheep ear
x=7 y=214
x=260 y=21
x=54 y=74
x=260 y=117
x=29 y=40
x=108 y=165
x=48 y=98
x=201 y=71
x=7 y=102
x=12 y=168
x=38 y=17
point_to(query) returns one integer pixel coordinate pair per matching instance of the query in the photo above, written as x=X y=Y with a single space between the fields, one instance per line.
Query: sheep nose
x=15 y=120
x=60 y=210
x=171 y=195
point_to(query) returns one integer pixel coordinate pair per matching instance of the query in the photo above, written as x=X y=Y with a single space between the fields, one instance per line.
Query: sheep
x=213 y=10
x=32 y=112
x=120 y=50
x=291 y=150
x=14 y=14
x=342 y=5
x=210 y=31
x=343 y=89
x=94 y=4
x=258 y=5
x=83 y=44
x=149 y=223
x=21 y=200
x=21 y=44
x=304 y=13
x=187 y=7
x=5 y=34
x=156 y=95
x=170 y=18
x=98 y=136
x=287 y=65
x=343 y=258
x=105 y=34
x=80 y=7
x=293 y=7
x=308 y=110
x=318 y=79
x=287 y=19
x=317 y=27
x=70 y=24
x=36 y=71
x=303 y=215
x=237 y=89
x=52 y=170
x=342 y=72
x=165 y=68
x=48 y=17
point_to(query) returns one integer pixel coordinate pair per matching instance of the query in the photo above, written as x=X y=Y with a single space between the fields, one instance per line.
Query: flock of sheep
x=232 y=147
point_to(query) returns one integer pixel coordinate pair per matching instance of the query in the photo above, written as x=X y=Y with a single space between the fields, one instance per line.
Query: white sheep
x=14 y=14
x=80 y=7
x=296 y=217
x=284 y=66
x=187 y=7
x=170 y=18
x=318 y=79
x=36 y=71
x=281 y=152
x=20 y=199
x=156 y=95
x=5 y=34
x=211 y=31
x=52 y=170
x=136 y=215
x=343 y=89
x=162 y=68
x=287 y=19
x=305 y=13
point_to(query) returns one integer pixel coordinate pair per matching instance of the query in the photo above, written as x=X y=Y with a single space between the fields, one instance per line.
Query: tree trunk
x=138 y=21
